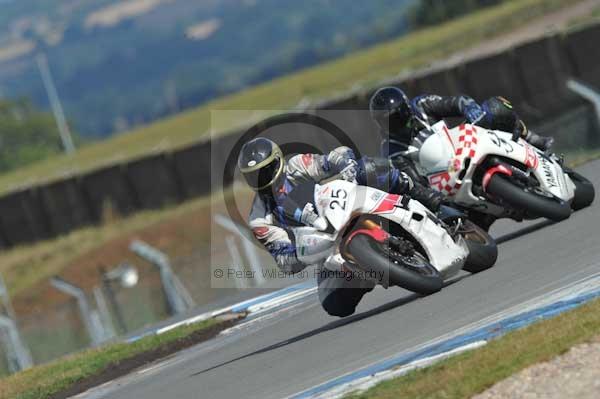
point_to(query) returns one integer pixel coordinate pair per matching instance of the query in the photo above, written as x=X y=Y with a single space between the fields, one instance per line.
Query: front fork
x=495 y=166
x=367 y=227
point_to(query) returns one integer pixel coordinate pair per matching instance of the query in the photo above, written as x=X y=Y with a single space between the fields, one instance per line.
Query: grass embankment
x=73 y=374
x=366 y=67
x=178 y=231
x=473 y=372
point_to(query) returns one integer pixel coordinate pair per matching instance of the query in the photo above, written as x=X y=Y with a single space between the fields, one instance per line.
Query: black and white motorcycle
x=367 y=230
x=488 y=172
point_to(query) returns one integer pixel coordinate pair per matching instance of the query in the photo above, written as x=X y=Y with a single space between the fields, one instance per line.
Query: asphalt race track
x=289 y=351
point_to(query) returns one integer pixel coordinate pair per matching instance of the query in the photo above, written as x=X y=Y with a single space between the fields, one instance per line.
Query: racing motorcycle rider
x=403 y=122
x=266 y=171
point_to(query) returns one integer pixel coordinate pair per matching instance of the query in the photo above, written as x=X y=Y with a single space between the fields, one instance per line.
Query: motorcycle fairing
x=462 y=149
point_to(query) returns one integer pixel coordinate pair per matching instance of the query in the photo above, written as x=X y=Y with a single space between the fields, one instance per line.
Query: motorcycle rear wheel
x=483 y=250
x=413 y=273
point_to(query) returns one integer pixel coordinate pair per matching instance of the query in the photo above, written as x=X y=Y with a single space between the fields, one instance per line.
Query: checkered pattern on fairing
x=467 y=141
x=441 y=182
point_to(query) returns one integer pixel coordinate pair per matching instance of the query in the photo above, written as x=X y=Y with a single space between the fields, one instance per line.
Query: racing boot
x=542 y=142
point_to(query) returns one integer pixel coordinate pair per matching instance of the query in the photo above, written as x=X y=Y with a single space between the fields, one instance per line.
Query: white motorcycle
x=367 y=229
x=488 y=172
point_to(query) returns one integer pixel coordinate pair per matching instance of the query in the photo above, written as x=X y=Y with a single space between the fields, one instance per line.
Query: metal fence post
x=96 y=333
x=236 y=258
x=249 y=247
x=178 y=297
x=588 y=93
x=106 y=320
x=18 y=355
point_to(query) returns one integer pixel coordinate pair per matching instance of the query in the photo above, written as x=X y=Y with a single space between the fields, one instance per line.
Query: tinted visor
x=398 y=120
x=264 y=176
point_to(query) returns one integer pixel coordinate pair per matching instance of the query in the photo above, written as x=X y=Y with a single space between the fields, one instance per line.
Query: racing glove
x=349 y=173
x=473 y=112
x=343 y=161
x=310 y=217
x=429 y=197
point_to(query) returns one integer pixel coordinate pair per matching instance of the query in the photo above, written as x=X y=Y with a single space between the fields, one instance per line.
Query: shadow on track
x=527 y=230
x=330 y=326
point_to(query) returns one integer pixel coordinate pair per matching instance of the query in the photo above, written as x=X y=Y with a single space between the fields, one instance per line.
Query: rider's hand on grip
x=311 y=218
x=349 y=173
x=407 y=180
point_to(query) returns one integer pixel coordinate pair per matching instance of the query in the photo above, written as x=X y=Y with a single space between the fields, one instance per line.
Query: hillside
x=364 y=67
x=118 y=64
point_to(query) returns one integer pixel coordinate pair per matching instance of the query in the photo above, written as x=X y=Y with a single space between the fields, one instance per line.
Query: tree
x=26 y=134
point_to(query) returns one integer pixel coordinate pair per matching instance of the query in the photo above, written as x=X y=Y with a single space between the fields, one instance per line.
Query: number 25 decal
x=339 y=195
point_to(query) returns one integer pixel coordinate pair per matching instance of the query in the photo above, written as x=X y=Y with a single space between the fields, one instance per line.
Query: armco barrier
x=444 y=82
x=584 y=52
x=110 y=186
x=531 y=75
x=23 y=218
x=493 y=76
x=65 y=205
x=192 y=165
x=154 y=181
x=544 y=68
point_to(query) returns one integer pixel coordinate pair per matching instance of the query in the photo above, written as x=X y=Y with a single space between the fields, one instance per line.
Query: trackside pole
x=89 y=320
x=178 y=297
x=236 y=258
x=106 y=320
x=55 y=104
x=587 y=92
x=247 y=244
x=17 y=353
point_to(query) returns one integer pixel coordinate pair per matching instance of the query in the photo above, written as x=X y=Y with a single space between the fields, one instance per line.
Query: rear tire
x=584 y=191
x=535 y=205
x=424 y=279
x=483 y=250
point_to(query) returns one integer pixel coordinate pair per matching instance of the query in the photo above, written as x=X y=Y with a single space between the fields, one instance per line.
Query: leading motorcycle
x=486 y=171
x=392 y=238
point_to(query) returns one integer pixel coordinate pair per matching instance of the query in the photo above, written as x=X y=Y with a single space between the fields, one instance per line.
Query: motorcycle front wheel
x=534 y=203
x=584 y=191
x=413 y=272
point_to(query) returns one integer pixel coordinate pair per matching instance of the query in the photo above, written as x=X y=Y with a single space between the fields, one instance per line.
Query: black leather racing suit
x=429 y=109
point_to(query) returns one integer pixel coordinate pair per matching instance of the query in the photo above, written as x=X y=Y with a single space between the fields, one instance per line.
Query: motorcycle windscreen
x=435 y=154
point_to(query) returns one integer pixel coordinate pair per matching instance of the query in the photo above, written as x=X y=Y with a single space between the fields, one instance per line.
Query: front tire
x=483 y=250
x=535 y=205
x=584 y=191
x=414 y=274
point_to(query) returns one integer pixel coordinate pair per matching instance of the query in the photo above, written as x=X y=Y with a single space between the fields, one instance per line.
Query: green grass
x=366 y=67
x=43 y=381
x=579 y=157
x=473 y=372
